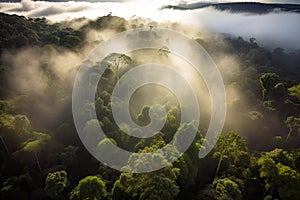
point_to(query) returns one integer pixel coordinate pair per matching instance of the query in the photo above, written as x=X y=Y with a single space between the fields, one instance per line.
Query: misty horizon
x=271 y=30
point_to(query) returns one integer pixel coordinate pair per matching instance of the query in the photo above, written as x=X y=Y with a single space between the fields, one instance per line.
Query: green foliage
x=89 y=188
x=108 y=22
x=55 y=183
x=152 y=186
x=143 y=118
x=282 y=156
x=228 y=189
x=164 y=51
x=22 y=123
x=70 y=41
x=19 y=32
x=16 y=187
x=68 y=156
x=222 y=189
x=294 y=91
x=117 y=61
x=268 y=81
x=159 y=184
x=293 y=123
x=37 y=144
x=232 y=144
x=255 y=115
x=279 y=177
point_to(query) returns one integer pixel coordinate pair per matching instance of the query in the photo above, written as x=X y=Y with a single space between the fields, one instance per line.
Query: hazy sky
x=178 y=1
x=275 y=29
x=264 y=1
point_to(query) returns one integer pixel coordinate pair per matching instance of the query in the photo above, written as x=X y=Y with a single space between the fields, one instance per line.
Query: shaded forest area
x=42 y=157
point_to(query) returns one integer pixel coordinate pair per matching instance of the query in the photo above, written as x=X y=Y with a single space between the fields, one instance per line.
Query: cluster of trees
x=257 y=156
x=17 y=31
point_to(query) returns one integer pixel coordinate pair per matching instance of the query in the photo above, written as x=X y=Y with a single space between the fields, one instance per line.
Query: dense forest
x=256 y=157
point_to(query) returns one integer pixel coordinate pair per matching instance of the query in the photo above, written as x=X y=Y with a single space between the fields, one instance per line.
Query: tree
x=267 y=171
x=228 y=189
x=279 y=178
x=294 y=91
x=282 y=156
x=68 y=156
x=252 y=40
x=105 y=146
x=64 y=133
x=70 y=41
x=35 y=146
x=293 y=123
x=55 y=183
x=16 y=187
x=90 y=132
x=143 y=118
x=148 y=186
x=117 y=61
x=154 y=185
x=164 y=51
x=22 y=123
x=4 y=144
x=267 y=82
x=14 y=128
x=289 y=181
x=20 y=40
x=231 y=143
x=89 y=188
x=221 y=189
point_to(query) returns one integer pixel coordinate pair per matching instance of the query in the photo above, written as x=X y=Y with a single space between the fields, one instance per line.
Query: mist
x=270 y=30
x=48 y=73
x=43 y=78
x=276 y=29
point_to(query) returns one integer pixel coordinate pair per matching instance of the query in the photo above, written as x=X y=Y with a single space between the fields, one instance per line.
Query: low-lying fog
x=275 y=29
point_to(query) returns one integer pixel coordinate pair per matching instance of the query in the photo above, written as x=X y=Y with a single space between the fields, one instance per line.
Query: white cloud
x=273 y=29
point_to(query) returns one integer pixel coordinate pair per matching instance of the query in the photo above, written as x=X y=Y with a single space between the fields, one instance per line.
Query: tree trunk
x=4 y=144
x=219 y=163
x=37 y=161
x=288 y=136
x=118 y=83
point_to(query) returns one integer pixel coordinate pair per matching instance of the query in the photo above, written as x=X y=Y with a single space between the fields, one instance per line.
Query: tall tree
x=36 y=145
x=117 y=61
x=154 y=185
x=293 y=123
x=89 y=188
x=268 y=82
x=55 y=184
x=280 y=180
x=16 y=187
x=221 y=189
x=68 y=156
x=229 y=143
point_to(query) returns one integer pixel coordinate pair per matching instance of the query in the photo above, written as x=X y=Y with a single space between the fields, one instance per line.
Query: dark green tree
x=89 y=188
x=279 y=179
x=293 y=123
x=68 y=156
x=268 y=81
x=229 y=143
x=221 y=189
x=55 y=184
